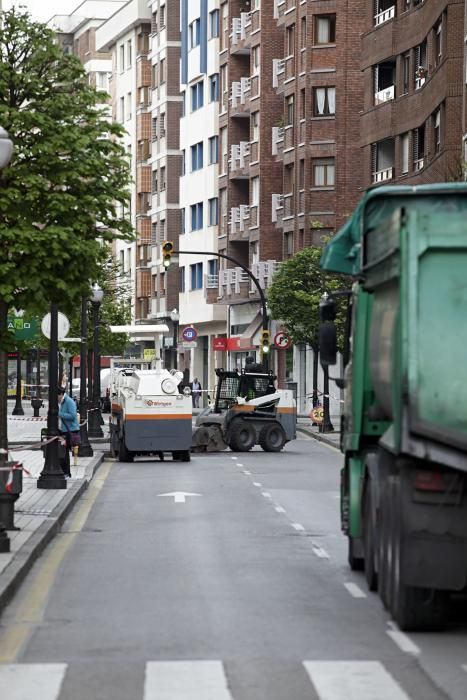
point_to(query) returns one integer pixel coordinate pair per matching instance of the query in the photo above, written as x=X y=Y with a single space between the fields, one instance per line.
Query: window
x=288 y=244
x=155 y=183
x=196 y=216
x=196 y=276
x=405 y=73
x=154 y=128
x=162 y=125
x=223 y=87
x=438 y=43
x=197 y=95
x=214 y=24
x=163 y=180
x=419 y=147
x=255 y=60
x=122 y=58
x=182 y=220
x=224 y=28
x=290 y=40
x=214 y=87
x=154 y=233
x=162 y=71
x=324 y=101
x=213 y=211
x=181 y=272
x=162 y=17
x=405 y=153
x=289 y=178
x=122 y=109
x=129 y=54
x=325 y=29
x=183 y=163
x=128 y=106
x=437 y=130
x=323 y=172
x=213 y=150
x=255 y=126
x=254 y=191
x=102 y=81
x=303 y=33
x=223 y=139
x=183 y=103
x=197 y=156
x=289 y=111
x=194 y=32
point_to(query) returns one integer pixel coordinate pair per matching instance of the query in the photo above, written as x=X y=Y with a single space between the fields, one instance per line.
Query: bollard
x=36 y=404
x=11 y=485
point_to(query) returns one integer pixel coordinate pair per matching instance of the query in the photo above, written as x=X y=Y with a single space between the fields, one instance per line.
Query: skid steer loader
x=248 y=410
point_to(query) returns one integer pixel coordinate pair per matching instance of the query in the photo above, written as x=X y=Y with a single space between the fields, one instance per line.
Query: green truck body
x=404 y=480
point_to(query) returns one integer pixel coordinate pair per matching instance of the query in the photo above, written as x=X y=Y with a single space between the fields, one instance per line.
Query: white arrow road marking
x=178 y=496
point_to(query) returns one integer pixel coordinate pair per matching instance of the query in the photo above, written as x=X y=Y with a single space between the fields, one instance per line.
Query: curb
x=23 y=561
x=319 y=436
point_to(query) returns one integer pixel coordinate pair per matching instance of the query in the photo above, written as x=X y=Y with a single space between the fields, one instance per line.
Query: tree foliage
x=295 y=294
x=67 y=183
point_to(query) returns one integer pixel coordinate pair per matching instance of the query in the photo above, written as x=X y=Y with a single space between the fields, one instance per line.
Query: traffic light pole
x=255 y=281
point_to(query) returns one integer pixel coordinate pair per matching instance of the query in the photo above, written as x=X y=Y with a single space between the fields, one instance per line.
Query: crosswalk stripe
x=346 y=680
x=26 y=681
x=185 y=680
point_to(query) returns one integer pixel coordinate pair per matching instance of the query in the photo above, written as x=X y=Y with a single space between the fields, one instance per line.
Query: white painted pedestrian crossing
x=205 y=680
x=353 y=680
x=186 y=680
x=27 y=681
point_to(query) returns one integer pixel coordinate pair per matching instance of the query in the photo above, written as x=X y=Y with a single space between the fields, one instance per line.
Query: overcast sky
x=43 y=10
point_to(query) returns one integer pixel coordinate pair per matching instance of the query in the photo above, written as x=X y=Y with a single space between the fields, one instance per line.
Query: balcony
x=241 y=34
x=383 y=175
x=418 y=164
x=289 y=137
x=278 y=73
x=277 y=208
x=211 y=288
x=288 y=209
x=282 y=8
x=240 y=98
x=384 y=95
x=385 y=11
x=264 y=272
x=239 y=160
x=277 y=140
x=234 y=283
x=239 y=222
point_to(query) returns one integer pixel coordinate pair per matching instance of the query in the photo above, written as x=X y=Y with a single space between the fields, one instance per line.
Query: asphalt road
x=239 y=591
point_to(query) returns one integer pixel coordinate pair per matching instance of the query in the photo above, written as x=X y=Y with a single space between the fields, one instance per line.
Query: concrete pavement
x=39 y=513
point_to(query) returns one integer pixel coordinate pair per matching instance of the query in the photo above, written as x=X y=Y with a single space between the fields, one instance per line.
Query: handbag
x=73 y=436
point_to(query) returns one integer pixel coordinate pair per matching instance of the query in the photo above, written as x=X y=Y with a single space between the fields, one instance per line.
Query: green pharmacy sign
x=23 y=328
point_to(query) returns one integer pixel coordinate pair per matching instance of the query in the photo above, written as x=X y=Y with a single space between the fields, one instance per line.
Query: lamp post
x=326 y=426
x=18 y=409
x=52 y=476
x=95 y=430
x=85 y=449
x=175 y=317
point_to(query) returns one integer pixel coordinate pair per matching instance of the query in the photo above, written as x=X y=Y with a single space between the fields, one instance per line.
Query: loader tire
x=272 y=437
x=242 y=436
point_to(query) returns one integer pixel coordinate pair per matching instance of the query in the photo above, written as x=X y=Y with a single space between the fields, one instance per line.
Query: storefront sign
x=219 y=344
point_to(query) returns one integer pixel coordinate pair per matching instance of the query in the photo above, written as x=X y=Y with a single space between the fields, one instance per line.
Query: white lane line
x=342 y=680
x=20 y=681
x=245 y=471
x=354 y=590
x=257 y=483
x=266 y=494
x=279 y=509
x=185 y=680
x=404 y=642
x=319 y=551
x=234 y=458
x=239 y=464
x=298 y=527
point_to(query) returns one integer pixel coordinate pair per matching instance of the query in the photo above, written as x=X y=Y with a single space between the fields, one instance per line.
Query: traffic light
x=167 y=252
x=265 y=342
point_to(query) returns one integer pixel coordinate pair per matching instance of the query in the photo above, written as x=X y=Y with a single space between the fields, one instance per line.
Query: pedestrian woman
x=195 y=392
x=69 y=426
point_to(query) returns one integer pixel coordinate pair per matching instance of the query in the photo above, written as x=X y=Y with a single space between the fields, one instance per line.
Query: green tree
x=294 y=298
x=66 y=189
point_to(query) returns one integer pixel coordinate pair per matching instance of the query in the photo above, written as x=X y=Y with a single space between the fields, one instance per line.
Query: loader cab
x=248 y=385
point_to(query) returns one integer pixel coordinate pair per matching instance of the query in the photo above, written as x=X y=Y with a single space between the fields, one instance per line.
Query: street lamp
x=18 y=409
x=52 y=476
x=85 y=449
x=175 y=317
x=95 y=430
x=326 y=426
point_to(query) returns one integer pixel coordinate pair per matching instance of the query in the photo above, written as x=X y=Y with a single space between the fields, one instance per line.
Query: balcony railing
x=385 y=15
x=240 y=27
x=384 y=95
x=277 y=139
x=383 y=175
x=289 y=205
x=239 y=219
x=212 y=282
x=239 y=93
x=239 y=156
x=277 y=201
x=278 y=68
x=230 y=281
x=418 y=164
x=264 y=272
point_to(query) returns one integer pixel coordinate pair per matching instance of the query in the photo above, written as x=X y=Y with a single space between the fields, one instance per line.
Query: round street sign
x=317 y=414
x=282 y=341
x=63 y=326
x=189 y=333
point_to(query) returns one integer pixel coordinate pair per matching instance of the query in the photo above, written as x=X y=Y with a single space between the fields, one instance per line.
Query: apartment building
x=414 y=84
x=199 y=204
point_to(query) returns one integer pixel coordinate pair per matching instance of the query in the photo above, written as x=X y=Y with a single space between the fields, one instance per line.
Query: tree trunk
x=3 y=382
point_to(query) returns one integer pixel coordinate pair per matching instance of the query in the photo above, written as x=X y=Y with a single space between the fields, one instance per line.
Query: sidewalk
x=304 y=425
x=39 y=513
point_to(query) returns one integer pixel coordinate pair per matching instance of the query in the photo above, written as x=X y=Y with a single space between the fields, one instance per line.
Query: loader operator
x=247 y=387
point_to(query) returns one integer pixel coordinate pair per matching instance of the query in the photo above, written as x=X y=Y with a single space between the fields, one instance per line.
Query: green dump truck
x=404 y=428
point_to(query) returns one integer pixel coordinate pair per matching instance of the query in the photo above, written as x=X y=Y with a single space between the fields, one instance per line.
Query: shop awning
x=249 y=339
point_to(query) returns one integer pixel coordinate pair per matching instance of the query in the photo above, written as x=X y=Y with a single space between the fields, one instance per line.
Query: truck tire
x=124 y=455
x=272 y=437
x=181 y=456
x=414 y=609
x=242 y=436
x=369 y=541
x=384 y=546
x=353 y=555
